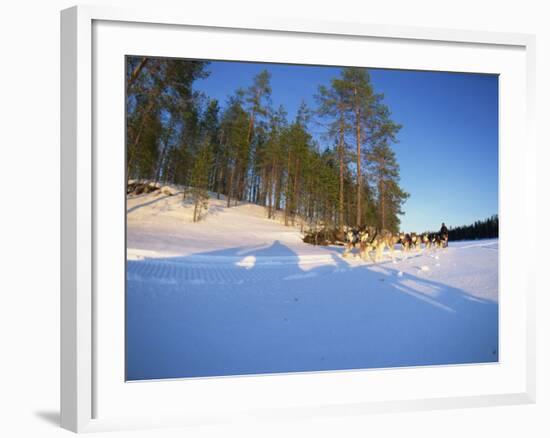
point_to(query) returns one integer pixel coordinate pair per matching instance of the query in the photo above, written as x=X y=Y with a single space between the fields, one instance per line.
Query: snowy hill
x=164 y=224
x=238 y=293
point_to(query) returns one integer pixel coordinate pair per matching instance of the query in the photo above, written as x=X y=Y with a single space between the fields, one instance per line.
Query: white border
x=77 y=370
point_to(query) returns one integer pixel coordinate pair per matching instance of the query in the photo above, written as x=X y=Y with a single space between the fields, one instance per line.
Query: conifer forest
x=246 y=150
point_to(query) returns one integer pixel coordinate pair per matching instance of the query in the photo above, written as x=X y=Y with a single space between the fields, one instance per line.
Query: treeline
x=486 y=229
x=249 y=151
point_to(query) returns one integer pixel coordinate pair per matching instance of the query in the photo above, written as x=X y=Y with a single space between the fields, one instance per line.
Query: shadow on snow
x=254 y=310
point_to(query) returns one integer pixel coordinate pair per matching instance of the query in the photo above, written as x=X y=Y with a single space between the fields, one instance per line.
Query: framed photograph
x=282 y=219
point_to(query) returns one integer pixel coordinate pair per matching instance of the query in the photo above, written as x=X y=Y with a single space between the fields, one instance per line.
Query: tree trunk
x=383 y=205
x=131 y=152
x=136 y=73
x=278 y=186
x=288 y=189
x=295 y=196
x=269 y=193
x=195 y=211
x=230 y=187
x=160 y=164
x=341 y=192
x=250 y=127
x=358 y=136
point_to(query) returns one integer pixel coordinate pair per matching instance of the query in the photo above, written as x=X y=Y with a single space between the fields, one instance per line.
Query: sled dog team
x=369 y=240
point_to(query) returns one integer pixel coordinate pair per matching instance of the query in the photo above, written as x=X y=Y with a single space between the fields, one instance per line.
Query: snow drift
x=238 y=293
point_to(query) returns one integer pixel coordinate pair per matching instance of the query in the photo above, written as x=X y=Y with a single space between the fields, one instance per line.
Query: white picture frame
x=85 y=379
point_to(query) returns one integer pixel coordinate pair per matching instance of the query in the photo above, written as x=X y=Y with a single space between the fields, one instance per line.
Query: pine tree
x=360 y=98
x=270 y=161
x=199 y=180
x=481 y=229
x=161 y=104
x=254 y=98
x=297 y=140
x=210 y=130
x=235 y=143
x=334 y=106
x=384 y=172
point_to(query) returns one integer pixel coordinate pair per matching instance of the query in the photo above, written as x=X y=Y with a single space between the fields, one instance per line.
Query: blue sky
x=448 y=146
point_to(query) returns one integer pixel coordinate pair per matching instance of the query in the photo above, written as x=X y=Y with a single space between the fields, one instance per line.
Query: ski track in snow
x=208 y=270
x=240 y=294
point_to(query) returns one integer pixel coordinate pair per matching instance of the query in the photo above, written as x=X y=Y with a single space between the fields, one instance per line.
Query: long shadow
x=145 y=204
x=212 y=209
x=254 y=310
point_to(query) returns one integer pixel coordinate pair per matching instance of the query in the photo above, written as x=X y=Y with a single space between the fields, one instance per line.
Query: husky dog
x=365 y=238
x=416 y=241
x=406 y=241
x=381 y=240
x=385 y=239
x=437 y=241
x=370 y=240
x=392 y=240
x=444 y=240
x=351 y=240
x=425 y=239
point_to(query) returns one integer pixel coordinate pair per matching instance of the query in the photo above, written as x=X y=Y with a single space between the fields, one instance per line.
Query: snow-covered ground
x=240 y=294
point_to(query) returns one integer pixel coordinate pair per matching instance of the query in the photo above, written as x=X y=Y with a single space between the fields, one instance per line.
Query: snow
x=238 y=293
x=167 y=190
